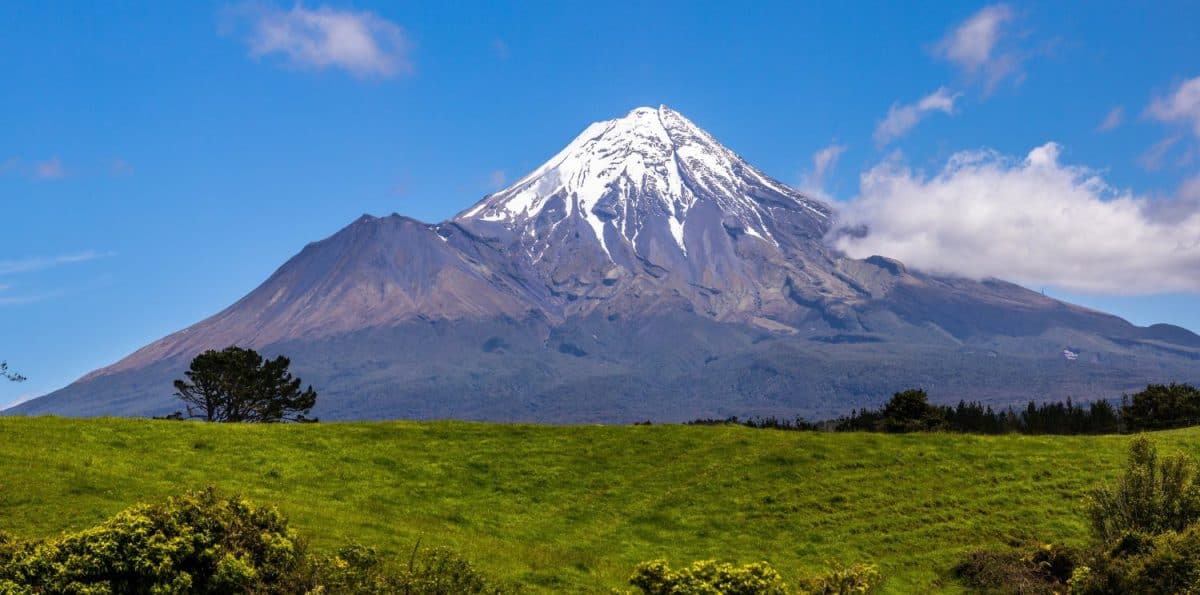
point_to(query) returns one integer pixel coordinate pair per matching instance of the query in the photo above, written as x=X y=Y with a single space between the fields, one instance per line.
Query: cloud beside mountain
x=1033 y=220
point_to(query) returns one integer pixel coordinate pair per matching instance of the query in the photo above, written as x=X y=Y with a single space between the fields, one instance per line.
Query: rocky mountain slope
x=644 y=272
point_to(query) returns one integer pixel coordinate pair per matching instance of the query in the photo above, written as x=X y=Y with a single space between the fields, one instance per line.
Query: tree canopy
x=1161 y=406
x=238 y=385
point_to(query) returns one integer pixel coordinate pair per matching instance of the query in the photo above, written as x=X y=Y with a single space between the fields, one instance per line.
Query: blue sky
x=159 y=160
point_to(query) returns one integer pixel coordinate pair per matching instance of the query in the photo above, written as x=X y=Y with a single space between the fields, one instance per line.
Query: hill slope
x=573 y=509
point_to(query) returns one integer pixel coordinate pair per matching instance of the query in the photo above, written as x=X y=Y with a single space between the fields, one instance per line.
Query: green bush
x=1152 y=496
x=359 y=570
x=1139 y=563
x=1147 y=538
x=204 y=543
x=843 y=580
x=708 y=577
x=195 y=543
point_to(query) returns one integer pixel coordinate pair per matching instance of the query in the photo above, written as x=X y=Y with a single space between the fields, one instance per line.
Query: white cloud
x=974 y=46
x=1033 y=220
x=1111 y=121
x=359 y=42
x=1181 y=106
x=38 y=263
x=824 y=161
x=902 y=118
x=51 y=169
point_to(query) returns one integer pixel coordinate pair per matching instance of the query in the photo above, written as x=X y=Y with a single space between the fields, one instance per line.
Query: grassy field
x=575 y=508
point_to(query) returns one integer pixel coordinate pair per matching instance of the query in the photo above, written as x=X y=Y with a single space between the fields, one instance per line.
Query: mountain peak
x=647 y=171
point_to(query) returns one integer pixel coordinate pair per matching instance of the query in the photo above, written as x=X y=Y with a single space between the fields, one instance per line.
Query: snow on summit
x=649 y=168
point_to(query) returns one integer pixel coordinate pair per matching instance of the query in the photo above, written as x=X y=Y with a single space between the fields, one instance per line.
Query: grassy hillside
x=575 y=508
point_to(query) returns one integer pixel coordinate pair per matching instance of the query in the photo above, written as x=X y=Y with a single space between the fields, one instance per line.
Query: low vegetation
x=1145 y=538
x=578 y=508
x=757 y=578
x=1157 y=407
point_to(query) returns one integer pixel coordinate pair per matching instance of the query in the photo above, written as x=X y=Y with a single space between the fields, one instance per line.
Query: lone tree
x=910 y=411
x=238 y=385
x=6 y=373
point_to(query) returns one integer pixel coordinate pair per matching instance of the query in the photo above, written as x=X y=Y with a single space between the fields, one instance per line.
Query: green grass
x=575 y=508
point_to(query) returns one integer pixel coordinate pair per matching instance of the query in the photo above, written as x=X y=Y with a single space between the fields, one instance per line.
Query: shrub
x=1152 y=496
x=1139 y=563
x=1044 y=569
x=707 y=577
x=196 y=543
x=357 y=569
x=843 y=580
x=205 y=543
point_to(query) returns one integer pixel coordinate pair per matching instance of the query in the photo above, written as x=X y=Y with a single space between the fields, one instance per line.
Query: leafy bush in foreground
x=1153 y=495
x=205 y=543
x=1147 y=538
x=1141 y=563
x=708 y=577
x=195 y=543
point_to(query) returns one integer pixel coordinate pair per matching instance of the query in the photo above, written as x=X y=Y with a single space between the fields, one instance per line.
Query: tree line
x=1157 y=407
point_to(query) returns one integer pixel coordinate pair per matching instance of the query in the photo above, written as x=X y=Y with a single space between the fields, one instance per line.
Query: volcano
x=644 y=272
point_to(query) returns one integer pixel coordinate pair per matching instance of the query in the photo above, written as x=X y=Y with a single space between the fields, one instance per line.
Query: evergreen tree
x=237 y=385
x=1161 y=406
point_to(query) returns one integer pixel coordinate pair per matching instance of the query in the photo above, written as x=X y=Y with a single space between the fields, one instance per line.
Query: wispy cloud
x=359 y=42
x=975 y=46
x=902 y=118
x=824 y=161
x=50 y=169
x=1155 y=157
x=1032 y=220
x=1181 y=106
x=21 y=300
x=18 y=400
x=1112 y=120
x=38 y=263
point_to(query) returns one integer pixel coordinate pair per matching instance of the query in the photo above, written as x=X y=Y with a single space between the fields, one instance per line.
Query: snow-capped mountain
x=636 y=183
x=644 y=272
x=648 y=211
